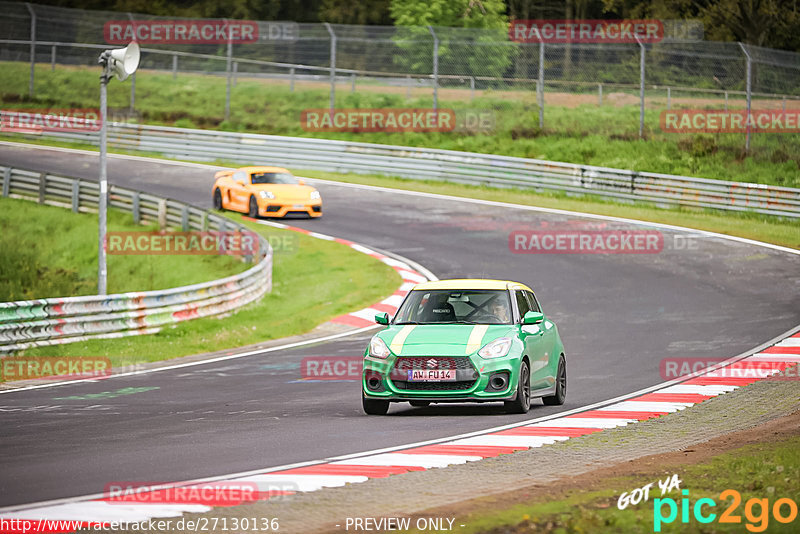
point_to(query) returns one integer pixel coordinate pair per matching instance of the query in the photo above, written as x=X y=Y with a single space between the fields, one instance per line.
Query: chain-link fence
x=529 y=88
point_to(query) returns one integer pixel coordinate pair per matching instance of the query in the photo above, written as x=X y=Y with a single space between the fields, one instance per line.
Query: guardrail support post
x=137 y=214
x=633 y=183
x=42 y=186
x=174 y=66
x=162 y=214
x=435 y=69
x=291 y=80
x=53 y=58
x=333 y=67
x=204 y=221
x=408 y=87
x=33 y=46
x=6 y=181
x=540 y=85
x=599 y=94
x=76 y=196
x=185 y=219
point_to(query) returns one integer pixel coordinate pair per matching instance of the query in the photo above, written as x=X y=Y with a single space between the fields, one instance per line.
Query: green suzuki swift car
x=468 y=340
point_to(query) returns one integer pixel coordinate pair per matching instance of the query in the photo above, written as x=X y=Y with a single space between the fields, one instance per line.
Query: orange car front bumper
x=274 y=208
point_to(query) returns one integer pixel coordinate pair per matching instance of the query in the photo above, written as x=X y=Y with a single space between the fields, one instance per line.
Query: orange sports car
x=267 y=191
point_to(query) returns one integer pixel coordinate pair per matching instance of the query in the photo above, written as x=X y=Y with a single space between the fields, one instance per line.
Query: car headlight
x=378 y=349
x=315 y=195
x=266 y=194
x=496 y=349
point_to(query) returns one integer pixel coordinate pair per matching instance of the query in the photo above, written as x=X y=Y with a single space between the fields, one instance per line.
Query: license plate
x=299 y=206
x=432 y=375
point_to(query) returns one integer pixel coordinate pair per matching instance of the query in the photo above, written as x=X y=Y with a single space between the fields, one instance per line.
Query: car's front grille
x=466 y=375
x=405 y=363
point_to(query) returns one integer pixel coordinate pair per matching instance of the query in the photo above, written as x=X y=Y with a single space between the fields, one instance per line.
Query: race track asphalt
x=619 y=316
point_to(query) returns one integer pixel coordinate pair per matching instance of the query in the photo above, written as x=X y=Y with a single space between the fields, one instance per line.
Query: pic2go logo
x=756 y=511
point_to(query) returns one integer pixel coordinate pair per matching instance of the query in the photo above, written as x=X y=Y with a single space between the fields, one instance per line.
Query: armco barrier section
x=30 y=323
x=448 y=165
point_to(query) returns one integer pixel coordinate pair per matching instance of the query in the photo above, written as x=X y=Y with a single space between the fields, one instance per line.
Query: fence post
x=641 y=87
x=669 y=97
x=228 y=69
x=332 y=34
x=185 y=218
x=162 y=214
x=784 y=104
x=7 y=181
x=435 y=68
x=726 y=100
x=353 y=82
x=42 y=186
x=133 y=76
x=137 y=213
x=53 y=58
x=235 y=72
x=33 y=46
x=599 y=94
x=174 y=66
x=408 y=87
x=749 y=95
x=540 y=85
x=471 y=88
x=291 y=79
x=76 y=195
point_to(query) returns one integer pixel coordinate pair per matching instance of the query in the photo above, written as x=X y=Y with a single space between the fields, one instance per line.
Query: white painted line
x=647 y=406
x=362 y=249
x=427 y=461
x=412 y=277
x=393 y=300
x=491 y=440
x=102 y=511
x=365 y=313
x=322 y=236
x=774 y=357
x=789 y=342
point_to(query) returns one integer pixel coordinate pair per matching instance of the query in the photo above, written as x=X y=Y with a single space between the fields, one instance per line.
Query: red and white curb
x=411 y=276
x=334 y=472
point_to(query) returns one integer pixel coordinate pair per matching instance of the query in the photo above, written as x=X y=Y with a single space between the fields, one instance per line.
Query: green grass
x=313 y=281
x=785 y=232
x=763 y=471
x=587 y=134
x=51 y=252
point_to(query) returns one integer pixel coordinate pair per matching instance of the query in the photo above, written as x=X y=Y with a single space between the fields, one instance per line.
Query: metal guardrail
x=30 y=323
x=448 y=165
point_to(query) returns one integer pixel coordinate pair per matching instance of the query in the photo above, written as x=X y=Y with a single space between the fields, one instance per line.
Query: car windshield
x=272 y=178
x=468 y=306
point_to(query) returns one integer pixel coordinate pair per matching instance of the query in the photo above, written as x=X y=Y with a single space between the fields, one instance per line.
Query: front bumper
x=471 y=385
x=278 y=208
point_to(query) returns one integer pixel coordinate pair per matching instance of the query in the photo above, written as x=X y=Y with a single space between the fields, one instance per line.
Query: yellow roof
x=471 y=283
x=263 y=169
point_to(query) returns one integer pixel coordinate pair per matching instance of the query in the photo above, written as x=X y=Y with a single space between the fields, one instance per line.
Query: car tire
x=374 y=406
x=217 y=199
x=420 y=404
x=252 y=211
x=523 y=401
x=561 y=385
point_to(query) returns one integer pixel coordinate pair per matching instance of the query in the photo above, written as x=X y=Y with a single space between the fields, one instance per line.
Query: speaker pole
x=102 y=272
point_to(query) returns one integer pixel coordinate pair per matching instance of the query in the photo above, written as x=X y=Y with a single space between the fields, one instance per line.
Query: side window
x=240 y=176
x=522 y=304
x=532 y=299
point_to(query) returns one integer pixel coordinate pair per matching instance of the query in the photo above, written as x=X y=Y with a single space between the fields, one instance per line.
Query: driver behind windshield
x=499 y=309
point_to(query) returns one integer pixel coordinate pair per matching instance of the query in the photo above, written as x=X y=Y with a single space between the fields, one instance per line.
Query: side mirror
x=382 y=318
x=301 y=181
x=532 y=317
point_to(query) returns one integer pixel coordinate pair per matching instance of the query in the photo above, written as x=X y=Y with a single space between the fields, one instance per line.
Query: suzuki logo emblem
x=431 y=363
